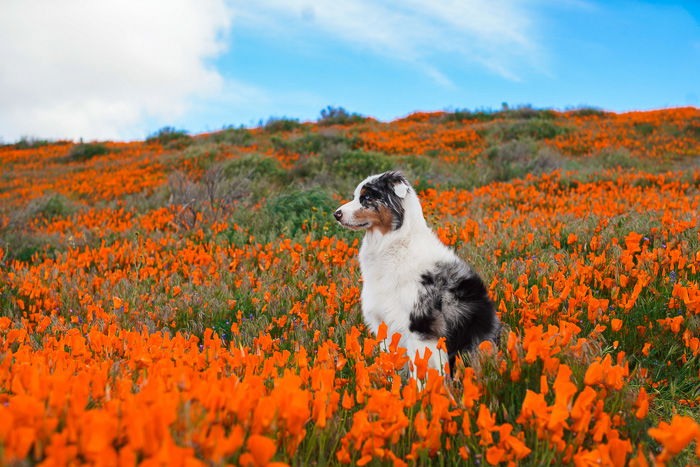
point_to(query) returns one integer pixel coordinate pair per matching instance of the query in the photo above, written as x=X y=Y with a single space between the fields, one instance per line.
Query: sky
x=120 y=70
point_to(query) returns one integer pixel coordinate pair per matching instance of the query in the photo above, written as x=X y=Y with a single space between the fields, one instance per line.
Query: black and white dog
x=411 y=280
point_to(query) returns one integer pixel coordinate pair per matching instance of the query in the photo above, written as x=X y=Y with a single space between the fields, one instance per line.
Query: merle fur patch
x=453 y=303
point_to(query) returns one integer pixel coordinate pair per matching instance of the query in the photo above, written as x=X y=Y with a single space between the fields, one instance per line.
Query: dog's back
x=453 y=302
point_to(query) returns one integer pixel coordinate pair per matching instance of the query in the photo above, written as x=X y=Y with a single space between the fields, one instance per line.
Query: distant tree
x=339 y=116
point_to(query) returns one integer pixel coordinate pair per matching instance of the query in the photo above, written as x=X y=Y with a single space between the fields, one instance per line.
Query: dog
x=410 y=280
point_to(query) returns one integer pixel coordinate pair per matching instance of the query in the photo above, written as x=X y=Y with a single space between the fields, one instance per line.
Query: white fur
x=391 y=266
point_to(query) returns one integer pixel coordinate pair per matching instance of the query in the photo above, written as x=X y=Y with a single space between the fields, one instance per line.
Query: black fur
x=422 y=324
x=454 y=303
x=381 y=191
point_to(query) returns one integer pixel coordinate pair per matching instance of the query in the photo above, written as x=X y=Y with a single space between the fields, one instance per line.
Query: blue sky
x=213 y=63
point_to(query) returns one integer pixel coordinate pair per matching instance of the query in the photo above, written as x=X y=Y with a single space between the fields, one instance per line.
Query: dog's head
x=378 y=204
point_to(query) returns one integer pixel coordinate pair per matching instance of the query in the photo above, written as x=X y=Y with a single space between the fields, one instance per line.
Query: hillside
x=191 y=300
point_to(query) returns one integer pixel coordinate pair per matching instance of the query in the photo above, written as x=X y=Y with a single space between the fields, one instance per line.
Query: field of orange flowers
x=190 y=301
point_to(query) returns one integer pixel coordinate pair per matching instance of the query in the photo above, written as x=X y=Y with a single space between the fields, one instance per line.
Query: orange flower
x=616 y=324
x=261 y=449
x=675 y=436
x=486 y=423
x=642 y=404
x=470 y=391
x=494 y=455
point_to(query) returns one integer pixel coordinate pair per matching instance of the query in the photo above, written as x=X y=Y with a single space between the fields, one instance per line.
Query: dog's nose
x=338 y=214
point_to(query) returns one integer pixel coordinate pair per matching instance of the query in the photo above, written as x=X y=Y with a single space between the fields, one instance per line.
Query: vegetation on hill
x=191 y=300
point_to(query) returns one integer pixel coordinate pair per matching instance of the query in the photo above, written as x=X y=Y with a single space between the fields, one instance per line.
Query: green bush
x=27 y=246
x=27 y=253
x=612 y=158
x=202 y=154
x=422 y=171
x=527 y=112
x=85 y=151
x=692 y=129
x=41 y=210
x=312 y=143
x=461 y=115
x=27 y=142
x=52 y=207
x=588 y=112
x=17 y=237
x=246 y=180
x=516 y=159
x=170 y=137
x=644 y=128
x=232 y=137
x=360 y=164
x=278 y=124
x=339 y=167
x=253 y=167
x=535 y=129
x=414 y=166
x=301 y=210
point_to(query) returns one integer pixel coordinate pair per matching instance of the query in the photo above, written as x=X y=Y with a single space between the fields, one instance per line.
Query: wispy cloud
x=98 y=69
x=496 y=34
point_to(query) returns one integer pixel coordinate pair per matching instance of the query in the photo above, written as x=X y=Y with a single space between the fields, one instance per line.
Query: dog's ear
x=401 y=189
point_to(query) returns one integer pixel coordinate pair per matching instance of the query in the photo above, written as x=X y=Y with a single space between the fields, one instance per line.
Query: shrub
x=644 y=128
x=339 y=116
x=301 y=210
x=612 y=158
x=339 y=167
x=360 y=164
x=86 y=151
x=693 y=129
x=312 y=143
x=232 y=136
x=45 y=208
x=526 y=112
x=253 y=167
x=208 y=197
x=203 y=155
x=519 y=158
x=28 y=142
x=52 y=207
x=170 y=137
x=461 y=115
x=278 y=124
x=536 y=129
x=422 y=171
x=28 y=246
x=20 y=242
x=588 y=112
x=414 y=165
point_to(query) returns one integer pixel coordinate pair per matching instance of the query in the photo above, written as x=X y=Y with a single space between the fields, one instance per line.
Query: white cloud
x=497 y=34
x=100 y=69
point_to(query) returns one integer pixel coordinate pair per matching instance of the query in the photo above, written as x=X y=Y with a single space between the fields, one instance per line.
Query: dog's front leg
x=424 y=352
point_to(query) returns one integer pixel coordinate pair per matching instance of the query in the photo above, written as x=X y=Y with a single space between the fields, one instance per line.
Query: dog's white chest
x=389 y=290
x=391 y=274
